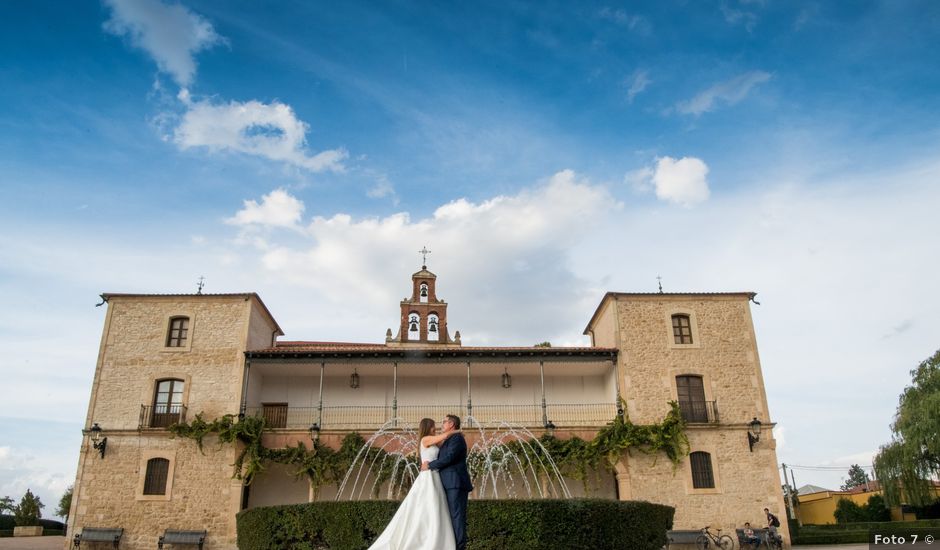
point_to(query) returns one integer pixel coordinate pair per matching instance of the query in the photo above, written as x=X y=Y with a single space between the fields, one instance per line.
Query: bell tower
x=423 y=316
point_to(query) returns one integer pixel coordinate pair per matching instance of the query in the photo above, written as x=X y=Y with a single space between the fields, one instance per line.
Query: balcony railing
x=699 y=411
x=161 y=416
x=372 y=417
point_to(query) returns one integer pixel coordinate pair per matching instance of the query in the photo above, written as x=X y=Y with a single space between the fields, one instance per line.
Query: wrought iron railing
x=699 y=411
x=353 y=417
x=161 y=416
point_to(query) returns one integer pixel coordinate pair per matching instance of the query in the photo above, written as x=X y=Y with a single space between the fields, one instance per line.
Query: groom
x=451 y=463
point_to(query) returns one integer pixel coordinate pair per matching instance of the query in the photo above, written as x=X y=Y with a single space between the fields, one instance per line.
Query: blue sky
x=545 y=152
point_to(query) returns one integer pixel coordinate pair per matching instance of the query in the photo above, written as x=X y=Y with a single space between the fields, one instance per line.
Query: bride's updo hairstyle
x=426 y=427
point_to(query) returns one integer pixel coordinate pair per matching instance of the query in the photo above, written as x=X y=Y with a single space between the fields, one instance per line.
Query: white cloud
x=278 y=209
x=638 y=82
x=269 y=130
x=170 y=33
x=682 y=181
x=382 y=188
x=621 y=17
x=779 y=433
x=728 y=93
x=508 y=249
x=741 y=14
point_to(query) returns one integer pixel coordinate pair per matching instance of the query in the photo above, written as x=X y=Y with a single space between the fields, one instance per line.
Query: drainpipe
x=613 y=369
x=320 y=404
x=243 y=407
x=395 y=394
x=469 y=400
x=544 y=405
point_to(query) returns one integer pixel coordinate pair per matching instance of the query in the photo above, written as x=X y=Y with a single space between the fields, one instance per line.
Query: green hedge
x=45 y=532
x=852 y=533
x=588 y=524
x=7 y=523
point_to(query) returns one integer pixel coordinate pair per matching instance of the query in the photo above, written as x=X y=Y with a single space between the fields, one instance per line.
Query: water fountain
x=505 y=461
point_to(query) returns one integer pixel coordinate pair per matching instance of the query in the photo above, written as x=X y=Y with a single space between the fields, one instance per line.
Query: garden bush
x=854 y=533
x=589 y=524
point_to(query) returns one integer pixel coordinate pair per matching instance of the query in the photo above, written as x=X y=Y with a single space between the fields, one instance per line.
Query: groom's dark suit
x=451 y=463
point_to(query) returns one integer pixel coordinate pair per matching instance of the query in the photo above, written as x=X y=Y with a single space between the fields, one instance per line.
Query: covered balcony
x=362 y=388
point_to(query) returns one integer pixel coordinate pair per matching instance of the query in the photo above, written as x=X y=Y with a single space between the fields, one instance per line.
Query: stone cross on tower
x=424 y=257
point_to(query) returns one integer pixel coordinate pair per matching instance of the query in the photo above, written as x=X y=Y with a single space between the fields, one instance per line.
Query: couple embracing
x=433 y=516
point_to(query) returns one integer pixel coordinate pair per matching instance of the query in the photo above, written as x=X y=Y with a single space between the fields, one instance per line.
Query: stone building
x=164 y=358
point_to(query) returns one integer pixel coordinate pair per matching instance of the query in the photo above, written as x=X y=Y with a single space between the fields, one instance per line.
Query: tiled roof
x=349 y=349
x=301 y=344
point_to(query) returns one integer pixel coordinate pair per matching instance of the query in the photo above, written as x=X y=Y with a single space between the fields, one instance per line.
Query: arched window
x=178 y=332
x=691 y=393
x=423 y=293
x=414 y=326
x=155 y=480
x=167 y=403
x=682 y=328
x=702 y=477
x=433 y=327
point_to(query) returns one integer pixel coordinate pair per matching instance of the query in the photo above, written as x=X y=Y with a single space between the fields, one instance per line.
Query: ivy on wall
x=322 y=465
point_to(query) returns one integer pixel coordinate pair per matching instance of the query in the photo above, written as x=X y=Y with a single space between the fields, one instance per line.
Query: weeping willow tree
x=907 y=464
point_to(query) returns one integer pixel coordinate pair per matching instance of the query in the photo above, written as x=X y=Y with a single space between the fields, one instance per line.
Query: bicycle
x=707 y=540
x=773 y=541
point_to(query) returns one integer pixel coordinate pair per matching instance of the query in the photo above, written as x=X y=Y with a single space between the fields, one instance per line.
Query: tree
x=913 y=456
x=876 y=509
x=65 y=503
x=857 y=478
x=849 y=512
x=545 y=344
x=6 y=505
x=29 y=510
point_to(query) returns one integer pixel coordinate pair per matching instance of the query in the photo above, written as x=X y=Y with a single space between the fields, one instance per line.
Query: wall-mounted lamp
x=98 y=443
x=354 y=379
x=550 y=428
x=315 y=431
x=753 y=432
x=507 y=380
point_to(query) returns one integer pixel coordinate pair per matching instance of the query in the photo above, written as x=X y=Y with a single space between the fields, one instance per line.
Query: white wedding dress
x=422 y=521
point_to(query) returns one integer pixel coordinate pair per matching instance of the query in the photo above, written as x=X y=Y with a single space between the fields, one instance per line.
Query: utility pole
x=789 y=494
x=795 y=511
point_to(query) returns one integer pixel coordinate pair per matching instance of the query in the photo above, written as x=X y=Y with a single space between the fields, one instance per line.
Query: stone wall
x=200 y=490
x=133 y=356
x=724 y=354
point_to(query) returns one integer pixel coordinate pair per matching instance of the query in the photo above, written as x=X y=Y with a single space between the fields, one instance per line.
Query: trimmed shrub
x=849 y=533
x=877 y=510
x=588 y=524
x=847 y=511
x=8 y=522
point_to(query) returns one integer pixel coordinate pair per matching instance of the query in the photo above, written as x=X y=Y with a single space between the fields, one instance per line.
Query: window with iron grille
x=178 y=333
x=702 y=477
x=155 y=481
x=682 y=329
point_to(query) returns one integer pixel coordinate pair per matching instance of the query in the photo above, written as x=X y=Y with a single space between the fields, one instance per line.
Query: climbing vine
x=322 y=465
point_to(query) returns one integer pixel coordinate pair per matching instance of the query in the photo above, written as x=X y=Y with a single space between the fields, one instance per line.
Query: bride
x=422 y=521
